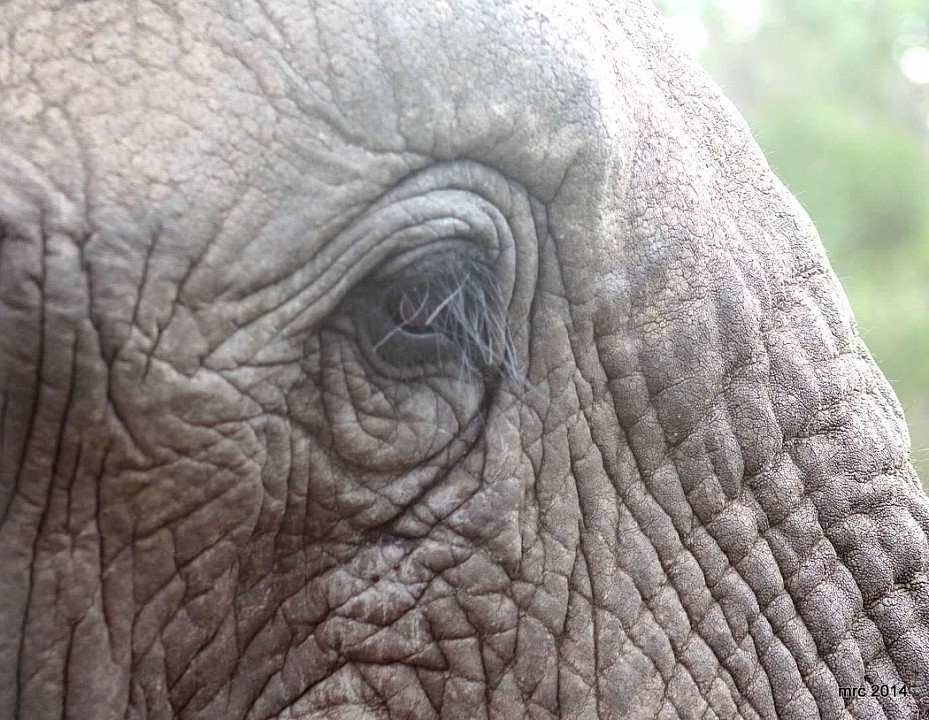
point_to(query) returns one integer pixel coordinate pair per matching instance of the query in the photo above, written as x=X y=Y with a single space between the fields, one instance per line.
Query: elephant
x=460 y=359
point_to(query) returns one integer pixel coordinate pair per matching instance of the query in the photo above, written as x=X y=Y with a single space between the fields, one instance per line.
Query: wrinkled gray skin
x=690 y=499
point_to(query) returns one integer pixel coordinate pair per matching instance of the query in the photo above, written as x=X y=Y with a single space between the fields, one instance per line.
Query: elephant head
x=415 y=359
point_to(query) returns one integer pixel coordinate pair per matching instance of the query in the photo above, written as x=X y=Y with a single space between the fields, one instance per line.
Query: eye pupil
x=448 y=312
x=420 y=312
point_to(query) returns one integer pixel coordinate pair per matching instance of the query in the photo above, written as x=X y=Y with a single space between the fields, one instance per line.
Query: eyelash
x=462 y=306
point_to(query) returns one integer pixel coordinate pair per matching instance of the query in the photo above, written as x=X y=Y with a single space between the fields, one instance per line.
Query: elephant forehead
x=513 y=85
x=224 y=118
x=433 y=78
x=215 y=125
x=200 y=121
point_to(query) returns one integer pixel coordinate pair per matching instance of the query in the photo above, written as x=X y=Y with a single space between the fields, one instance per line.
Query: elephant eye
x=421 y=311
x=449 y=311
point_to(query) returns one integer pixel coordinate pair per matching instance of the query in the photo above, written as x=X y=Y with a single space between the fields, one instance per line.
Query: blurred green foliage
x=837 y=94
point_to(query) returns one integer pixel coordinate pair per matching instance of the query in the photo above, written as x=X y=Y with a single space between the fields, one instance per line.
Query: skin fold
x=415 y=360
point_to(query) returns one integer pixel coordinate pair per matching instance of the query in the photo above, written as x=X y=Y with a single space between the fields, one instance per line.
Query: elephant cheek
x=53 y=446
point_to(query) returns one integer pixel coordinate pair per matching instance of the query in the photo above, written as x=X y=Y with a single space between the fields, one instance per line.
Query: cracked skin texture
x=214 y=503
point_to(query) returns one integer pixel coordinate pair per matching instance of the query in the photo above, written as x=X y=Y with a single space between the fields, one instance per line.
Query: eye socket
x=442 y=312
